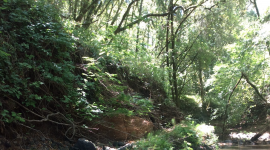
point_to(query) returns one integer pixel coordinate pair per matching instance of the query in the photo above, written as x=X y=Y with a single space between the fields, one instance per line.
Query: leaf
x=21 y=119
x=66 y=99
x=13 y=114
x=26 y=65
x=18 y=94
x=2 y=53
x=4 y=113
x=3 y=8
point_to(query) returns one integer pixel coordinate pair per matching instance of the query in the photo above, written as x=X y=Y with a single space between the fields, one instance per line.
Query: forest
x=133 y=74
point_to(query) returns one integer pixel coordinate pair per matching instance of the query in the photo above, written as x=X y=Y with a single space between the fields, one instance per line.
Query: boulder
x=122 y=127
x=84 y=144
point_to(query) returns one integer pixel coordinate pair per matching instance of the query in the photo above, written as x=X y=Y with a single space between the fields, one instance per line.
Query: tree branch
x=124 y=17
x=84 y=10
x=254 y=87
x=226 y=109
x=256 y=7
x=194 y=8
x=188 y=49
x=119 y=29
x=181 y=23
x=189 y=63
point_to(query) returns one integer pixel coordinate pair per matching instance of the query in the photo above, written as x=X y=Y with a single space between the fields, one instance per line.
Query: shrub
x=183 y=136
x=35 y=59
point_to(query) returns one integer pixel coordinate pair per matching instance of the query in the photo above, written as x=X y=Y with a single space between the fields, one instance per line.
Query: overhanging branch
x=124 y=17
x=227 y=105
x=119 y=29
x=254 y=87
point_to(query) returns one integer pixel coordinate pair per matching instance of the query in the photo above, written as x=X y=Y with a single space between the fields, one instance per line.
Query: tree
x=185 y=39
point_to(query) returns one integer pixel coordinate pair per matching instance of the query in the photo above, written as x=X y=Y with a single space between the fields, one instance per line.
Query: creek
x=248 y=147
x=243 y=141
x=239 y=138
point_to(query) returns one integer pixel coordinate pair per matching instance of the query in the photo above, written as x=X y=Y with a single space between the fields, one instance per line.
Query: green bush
x=188 y=105
x=183 y=136
x=36 y=54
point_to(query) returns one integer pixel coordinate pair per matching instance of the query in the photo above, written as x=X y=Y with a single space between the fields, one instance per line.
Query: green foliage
x=247 y=54
x=145 y=105
x=155 y=141
x=118 y=105
x=143 y=50
x=183 y=136
x=188 y=105
x=36 y=57
x=11 y=116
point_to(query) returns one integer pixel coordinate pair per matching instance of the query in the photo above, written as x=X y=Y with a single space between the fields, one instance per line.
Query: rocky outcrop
x=122 y=127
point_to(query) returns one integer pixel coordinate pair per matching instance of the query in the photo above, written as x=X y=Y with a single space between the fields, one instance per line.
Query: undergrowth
x=186 y=135
x=39 y=78
x=37 y=72
x=43 y=73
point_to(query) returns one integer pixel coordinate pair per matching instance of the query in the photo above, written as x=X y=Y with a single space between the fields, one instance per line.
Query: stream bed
x=243 y=141
x=247 y=147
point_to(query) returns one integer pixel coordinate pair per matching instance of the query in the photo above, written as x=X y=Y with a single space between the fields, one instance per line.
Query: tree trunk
x=94 y=9
x=138 y=28
x=75 y=9
x=226 y=108
x=168 y=56
x=268 y=47
x=117 y=12
x=124 y=17
x=83 y=11
x=256 y=7
x=202 y=92
x=174 y=65
x=70 y=7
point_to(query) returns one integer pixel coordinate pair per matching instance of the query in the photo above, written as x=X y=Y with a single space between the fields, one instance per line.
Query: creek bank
x=122 y=127
x=245 y=139
x=54 y=140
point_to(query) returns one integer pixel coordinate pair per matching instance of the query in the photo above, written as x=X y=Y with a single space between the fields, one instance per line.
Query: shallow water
x=247 y=147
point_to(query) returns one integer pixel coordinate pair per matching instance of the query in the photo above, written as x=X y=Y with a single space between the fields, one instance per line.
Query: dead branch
x=73 y=126
x=32 y=129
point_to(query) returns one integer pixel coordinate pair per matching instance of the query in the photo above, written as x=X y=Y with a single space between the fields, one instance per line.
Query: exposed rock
x=122 y=127
x=84 y=144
